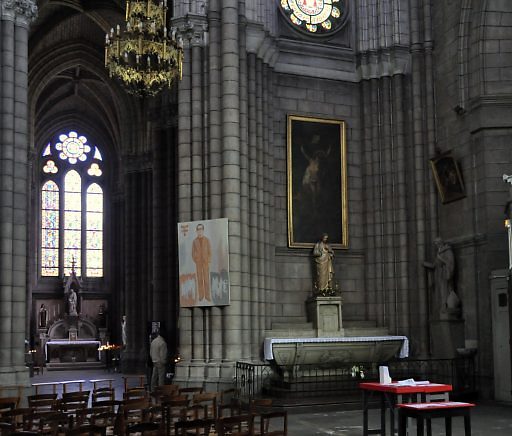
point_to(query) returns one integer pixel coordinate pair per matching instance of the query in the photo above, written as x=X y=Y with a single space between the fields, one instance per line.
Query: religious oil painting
x=317 y=181
x=203 y=253
x=448 y=178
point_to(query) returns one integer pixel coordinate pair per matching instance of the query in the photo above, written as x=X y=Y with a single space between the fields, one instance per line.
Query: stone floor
x=488 y=419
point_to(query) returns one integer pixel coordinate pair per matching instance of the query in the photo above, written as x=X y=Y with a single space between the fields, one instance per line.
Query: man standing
x=202 y=256
x=158 y=353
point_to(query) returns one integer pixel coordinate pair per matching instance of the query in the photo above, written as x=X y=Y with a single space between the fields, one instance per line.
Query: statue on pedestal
x=323 y=255
x=43 y=316
x=445 y=301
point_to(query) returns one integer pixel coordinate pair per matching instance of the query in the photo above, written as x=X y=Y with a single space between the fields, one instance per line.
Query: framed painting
x=203 y=254
x=317 y=181
x=448 y=178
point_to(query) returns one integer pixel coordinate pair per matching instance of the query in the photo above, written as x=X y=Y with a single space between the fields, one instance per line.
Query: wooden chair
x=96 y=383
x=133 y=411
x=106 y=420
x=274 y=423
x=209 y=401
x=241 y=425
x=233 y=408
x=6 y=429
x=191 y=391
x=42 y=402
x=17 y=417
x=197 y=427
x=135 y=393
x=55 y=423
x=8 y=403
x=167 y=391
x=87 y=430
x=174 y=410
x=144 y=428
x=103 y=394
x=84 y=416
x=113 y=405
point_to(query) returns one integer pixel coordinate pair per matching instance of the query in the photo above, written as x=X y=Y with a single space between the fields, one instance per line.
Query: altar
x=72 y=351
x=325 y=351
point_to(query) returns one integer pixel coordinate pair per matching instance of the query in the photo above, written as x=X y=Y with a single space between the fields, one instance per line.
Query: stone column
x=15 y=16
x=230 y=103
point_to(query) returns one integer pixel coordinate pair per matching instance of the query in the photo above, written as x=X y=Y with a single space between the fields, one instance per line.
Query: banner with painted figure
x=203 y=253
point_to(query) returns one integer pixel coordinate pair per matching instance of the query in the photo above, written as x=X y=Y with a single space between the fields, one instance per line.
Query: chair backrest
x=103 y=394
x=201 y=427
x=9 y=403
x=190 y=391
x=241 y=425
x=135 y=393
x=209 y=400
x=44 y=404
x=144 y=428
x=87 y=430
x=76 y=396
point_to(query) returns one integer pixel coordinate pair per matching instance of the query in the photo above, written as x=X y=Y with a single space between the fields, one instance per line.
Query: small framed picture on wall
x=448 y=178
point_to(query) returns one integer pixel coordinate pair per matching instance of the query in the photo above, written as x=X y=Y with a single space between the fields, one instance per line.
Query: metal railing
x=260 y=379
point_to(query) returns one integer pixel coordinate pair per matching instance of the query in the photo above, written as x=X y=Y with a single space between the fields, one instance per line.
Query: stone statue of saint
x=43 y=313
x=446 y=303
x=72 y=302
x=323 y=256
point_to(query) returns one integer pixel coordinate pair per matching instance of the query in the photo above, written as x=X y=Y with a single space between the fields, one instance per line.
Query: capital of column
x=23 y=12
x=193 y=30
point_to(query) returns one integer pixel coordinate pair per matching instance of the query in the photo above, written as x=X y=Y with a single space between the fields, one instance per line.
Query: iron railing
x=260 y=379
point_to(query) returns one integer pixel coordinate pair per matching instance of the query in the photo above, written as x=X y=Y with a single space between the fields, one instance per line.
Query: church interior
x=251 y=173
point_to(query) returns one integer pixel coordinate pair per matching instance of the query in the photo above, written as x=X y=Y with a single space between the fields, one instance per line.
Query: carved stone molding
x=21 y=11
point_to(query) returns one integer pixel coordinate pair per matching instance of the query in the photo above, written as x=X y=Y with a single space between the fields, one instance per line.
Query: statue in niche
x=445 y=302
x=323 y=256
x=43 y=316
x=102 y=316
x=72 y=302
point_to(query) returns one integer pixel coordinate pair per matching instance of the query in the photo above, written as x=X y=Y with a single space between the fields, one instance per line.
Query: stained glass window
x=72 y=208
x=72 y=221
x=315 y=17
x=50 y=229
x=94 y=219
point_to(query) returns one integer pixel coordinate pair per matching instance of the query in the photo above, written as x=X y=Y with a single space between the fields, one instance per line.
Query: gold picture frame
x=317 y=181
x=448 y=178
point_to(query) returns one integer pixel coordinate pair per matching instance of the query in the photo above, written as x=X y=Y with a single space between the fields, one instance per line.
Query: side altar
x=68 y=337
x=324 y=342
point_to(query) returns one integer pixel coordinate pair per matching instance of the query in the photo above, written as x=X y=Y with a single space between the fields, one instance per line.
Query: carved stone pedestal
x=325 y=314
x=446 y=336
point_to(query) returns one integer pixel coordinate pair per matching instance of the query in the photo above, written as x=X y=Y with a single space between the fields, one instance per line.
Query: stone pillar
x=15 y=16
x=230 y=104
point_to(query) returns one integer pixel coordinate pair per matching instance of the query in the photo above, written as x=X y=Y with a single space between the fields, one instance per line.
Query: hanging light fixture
x=144 y=56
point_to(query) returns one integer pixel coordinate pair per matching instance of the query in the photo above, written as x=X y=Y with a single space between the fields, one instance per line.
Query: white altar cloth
x=269 y=354
x=67 y=342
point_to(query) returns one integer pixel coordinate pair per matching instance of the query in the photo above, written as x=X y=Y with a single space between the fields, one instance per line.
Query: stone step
x=60 y=366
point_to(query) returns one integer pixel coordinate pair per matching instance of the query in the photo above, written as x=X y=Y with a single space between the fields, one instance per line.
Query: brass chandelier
x=144 y=56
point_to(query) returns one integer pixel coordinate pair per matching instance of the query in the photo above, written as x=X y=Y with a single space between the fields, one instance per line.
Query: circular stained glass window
x=73 y=147
x=314 y=17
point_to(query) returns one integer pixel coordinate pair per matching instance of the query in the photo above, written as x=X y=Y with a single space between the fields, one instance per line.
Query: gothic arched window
x=72 y=197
